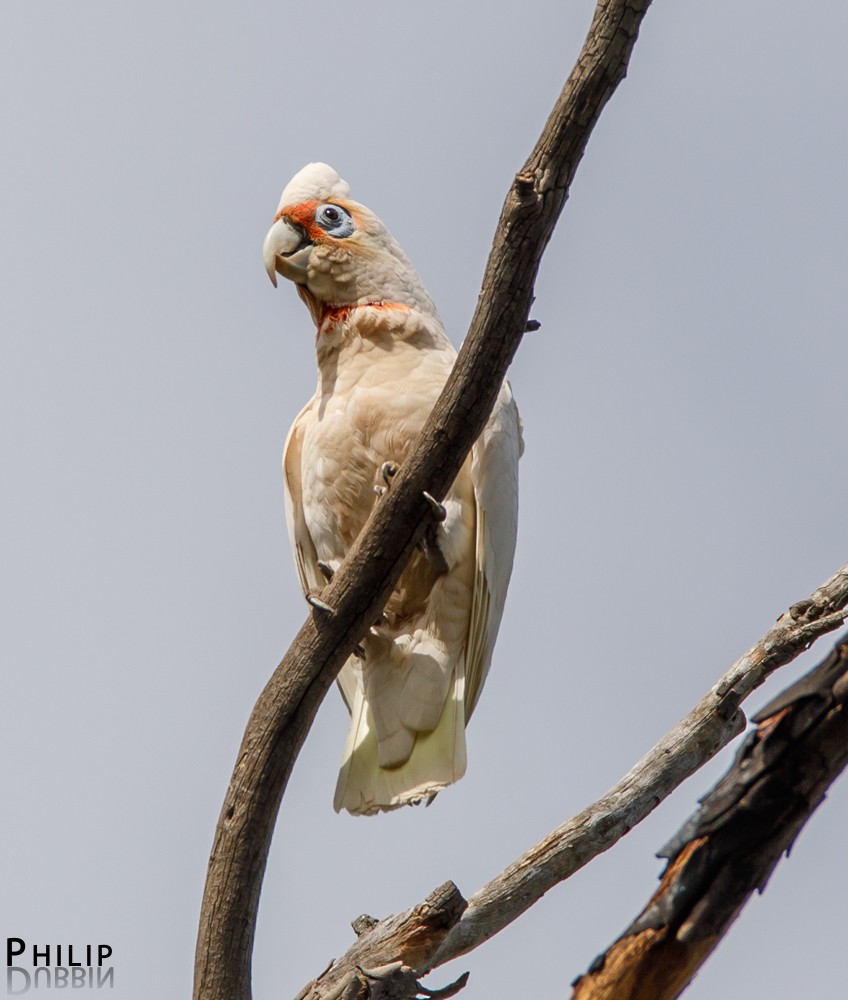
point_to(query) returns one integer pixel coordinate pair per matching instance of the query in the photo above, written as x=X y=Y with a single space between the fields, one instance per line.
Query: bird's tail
x=437 y=758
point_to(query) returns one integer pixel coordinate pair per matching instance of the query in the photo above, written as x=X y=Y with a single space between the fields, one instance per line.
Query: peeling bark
x=732 y=844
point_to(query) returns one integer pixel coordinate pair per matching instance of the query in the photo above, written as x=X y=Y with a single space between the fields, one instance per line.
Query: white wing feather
x=305 y=556
x=494 y=469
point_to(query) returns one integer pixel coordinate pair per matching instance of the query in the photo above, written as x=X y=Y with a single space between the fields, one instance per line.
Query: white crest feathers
x=314 y=182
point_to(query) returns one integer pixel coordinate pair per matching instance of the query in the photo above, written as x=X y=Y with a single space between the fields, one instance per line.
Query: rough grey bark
x=286 y=708
x=694 y=740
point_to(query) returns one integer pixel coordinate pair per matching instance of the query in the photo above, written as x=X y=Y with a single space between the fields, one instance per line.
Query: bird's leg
x=429 y=543
x=429 y=546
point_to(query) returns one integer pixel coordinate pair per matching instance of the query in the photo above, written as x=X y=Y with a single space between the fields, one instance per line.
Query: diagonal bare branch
x=286 y=708
x=710 y=725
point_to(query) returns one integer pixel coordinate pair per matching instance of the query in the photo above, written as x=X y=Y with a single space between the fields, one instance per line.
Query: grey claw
x=359 y=653
x=388 y=470
x=320 y=605
x=327 y=571
x=437 y=509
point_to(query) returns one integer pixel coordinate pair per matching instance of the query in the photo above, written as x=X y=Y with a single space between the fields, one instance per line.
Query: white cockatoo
x=383 y=358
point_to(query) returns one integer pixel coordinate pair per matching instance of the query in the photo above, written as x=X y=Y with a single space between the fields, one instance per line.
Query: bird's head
x=337 y=252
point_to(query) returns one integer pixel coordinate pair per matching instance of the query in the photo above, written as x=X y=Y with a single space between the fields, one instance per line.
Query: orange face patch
x=304 y=215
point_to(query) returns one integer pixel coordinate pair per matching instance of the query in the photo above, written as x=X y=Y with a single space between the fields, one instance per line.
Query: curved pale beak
x=286 y=251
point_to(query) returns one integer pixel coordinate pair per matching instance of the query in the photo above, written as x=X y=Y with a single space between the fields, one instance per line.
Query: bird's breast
x=374 y=396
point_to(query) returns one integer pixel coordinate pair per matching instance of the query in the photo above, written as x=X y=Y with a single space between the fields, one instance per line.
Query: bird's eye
x=334 y=220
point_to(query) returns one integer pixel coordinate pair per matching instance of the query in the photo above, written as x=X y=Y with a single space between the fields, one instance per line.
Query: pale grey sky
x=684 y=479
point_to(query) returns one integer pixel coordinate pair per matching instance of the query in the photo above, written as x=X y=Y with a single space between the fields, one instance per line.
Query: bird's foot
x=436 y=509
x=388 y=471
x=314 y=601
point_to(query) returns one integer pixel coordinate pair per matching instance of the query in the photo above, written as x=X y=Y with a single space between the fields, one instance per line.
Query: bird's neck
x=345 y=329
x=330 y=318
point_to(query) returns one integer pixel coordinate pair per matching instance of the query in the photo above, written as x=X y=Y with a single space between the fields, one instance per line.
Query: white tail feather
x=437 y=759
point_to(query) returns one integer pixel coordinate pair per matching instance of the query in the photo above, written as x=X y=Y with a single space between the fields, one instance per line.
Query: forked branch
x=694 y=740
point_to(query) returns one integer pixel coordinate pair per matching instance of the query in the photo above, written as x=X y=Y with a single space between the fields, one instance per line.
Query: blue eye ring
x=334 y=220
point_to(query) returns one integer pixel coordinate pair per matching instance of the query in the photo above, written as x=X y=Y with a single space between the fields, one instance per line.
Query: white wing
x=494 y=469
x=305 y=556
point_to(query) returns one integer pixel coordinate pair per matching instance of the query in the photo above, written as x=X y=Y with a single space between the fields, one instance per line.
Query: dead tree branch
x=714 y=721
x=286 y=708
x=734 y=841
x=711 y=724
